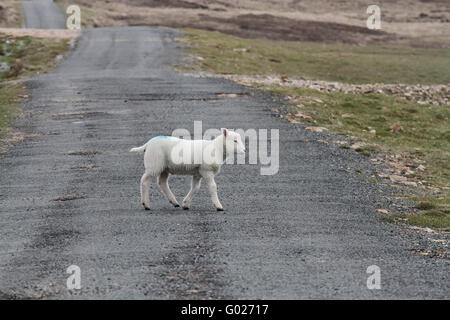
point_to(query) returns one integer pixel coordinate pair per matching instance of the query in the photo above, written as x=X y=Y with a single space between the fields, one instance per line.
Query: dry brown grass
x=10 y=14
x=403 y=21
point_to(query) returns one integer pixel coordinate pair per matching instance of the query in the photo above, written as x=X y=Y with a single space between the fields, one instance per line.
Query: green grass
x=30 y=55
x=25 y=56
x=425 y=136
x=428 y=219
x=432 y=212
x=9 y=94
x=425 y=133
x=332 y=62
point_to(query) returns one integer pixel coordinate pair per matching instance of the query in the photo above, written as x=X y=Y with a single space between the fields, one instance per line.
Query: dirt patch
x=83 y=153
x=442 y=253
x=85 y=166
x=68 y=197
x=168 y=4
x=265 y=26
x=15 y=137
x=231 y=95
x=79 y=115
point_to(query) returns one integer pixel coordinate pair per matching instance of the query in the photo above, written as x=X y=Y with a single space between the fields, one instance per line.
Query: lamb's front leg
x=209 y=179
x=195 y=185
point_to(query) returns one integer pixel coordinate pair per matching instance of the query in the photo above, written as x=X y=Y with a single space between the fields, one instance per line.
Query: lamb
x=202 y=159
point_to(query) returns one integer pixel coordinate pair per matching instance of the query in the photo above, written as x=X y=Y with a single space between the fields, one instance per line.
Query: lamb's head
x=233 y=142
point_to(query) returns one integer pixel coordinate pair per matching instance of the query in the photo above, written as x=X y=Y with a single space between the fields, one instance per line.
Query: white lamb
x=198 y=158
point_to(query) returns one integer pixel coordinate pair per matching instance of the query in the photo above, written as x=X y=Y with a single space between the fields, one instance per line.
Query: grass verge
x=422 y=140
x=226 y=54
x=433 y=213
x=21 y=57
x=418 y=134
x=9 y=100
x=385 y=123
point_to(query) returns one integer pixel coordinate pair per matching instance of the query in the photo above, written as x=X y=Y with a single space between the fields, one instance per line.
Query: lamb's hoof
x=176 y=205
x=185 y=208
x=219 y=209
x=145 y=207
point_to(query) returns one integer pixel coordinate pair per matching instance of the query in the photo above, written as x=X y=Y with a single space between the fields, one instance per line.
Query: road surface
x=43 y=14
x=310 y=231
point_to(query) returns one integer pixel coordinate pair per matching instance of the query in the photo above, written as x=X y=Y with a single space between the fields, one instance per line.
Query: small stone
x=357 y=145
x=4 y=67
x=317 y=129
x=396 y=178
x=410 y=183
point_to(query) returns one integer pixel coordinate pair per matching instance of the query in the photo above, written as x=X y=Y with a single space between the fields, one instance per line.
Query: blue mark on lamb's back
x=160 y=137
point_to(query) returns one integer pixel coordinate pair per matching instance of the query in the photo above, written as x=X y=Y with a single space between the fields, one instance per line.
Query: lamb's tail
x=139 y=149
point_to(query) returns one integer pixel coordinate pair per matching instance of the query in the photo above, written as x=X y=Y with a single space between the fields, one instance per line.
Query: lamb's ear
x=224 y=131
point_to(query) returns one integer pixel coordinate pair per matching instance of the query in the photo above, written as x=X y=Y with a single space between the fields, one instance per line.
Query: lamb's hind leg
x=195 y=185
x=163 y=182
x=145 y=190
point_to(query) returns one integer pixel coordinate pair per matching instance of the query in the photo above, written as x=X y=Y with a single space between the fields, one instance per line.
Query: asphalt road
x=43 y=14
x=310 y=231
